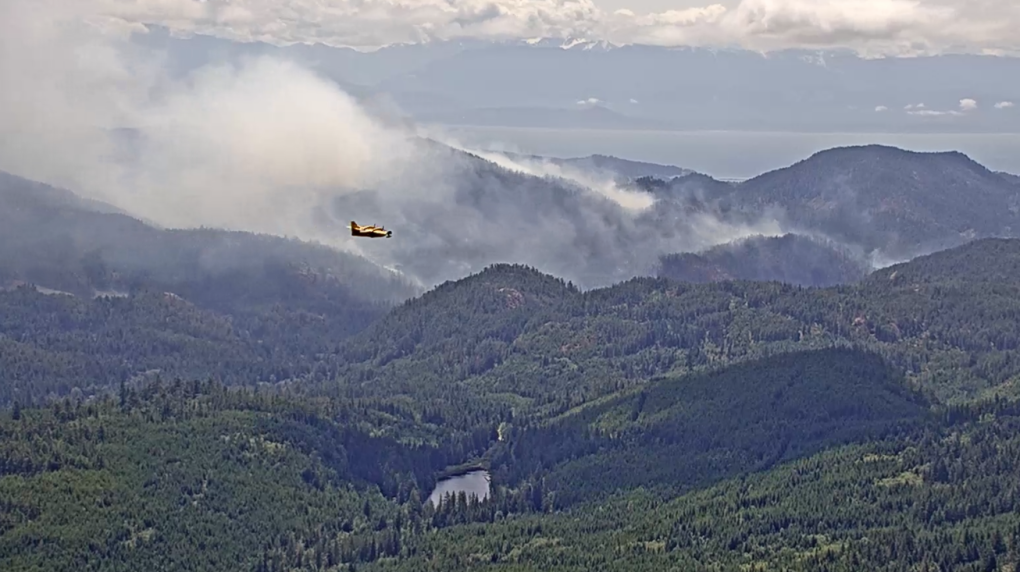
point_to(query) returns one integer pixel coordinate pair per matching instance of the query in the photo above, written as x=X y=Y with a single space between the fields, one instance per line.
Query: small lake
x=475 y=483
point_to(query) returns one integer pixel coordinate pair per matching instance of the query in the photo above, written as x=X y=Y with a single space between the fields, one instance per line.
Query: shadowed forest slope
x=791 y=259
x=647 y=425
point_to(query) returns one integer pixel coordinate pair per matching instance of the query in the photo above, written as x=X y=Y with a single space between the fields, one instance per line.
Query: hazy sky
x=875 y=26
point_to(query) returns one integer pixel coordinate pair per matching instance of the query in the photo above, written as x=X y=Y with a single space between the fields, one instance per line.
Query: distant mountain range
x=610 y=166
x=887 y=201
x=578 y=83
x=594 y=221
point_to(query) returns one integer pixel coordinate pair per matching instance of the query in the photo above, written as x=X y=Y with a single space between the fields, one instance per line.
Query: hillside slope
x=454 y=213
x=791 y=259
x=887 y=203
x=992 y=262
x=55 y=239
x=791 y=421
x=608 y=165
x=900 y=203
x=938 y=498
x=189 y=475
x=194 y=473
x=880 y=203
x=514 y=336
x=193 y=303
x=746 y=417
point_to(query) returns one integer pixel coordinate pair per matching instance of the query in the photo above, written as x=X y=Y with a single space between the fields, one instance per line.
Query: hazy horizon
x=760 y=151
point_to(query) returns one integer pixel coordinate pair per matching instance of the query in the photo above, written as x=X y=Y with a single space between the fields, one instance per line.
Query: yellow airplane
x=371 y=231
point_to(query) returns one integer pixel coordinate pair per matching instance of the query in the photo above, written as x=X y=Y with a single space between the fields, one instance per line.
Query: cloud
x=1004 y=105
x=966 y=105
x=933 y=113
x=881 y=108
x=874 y=26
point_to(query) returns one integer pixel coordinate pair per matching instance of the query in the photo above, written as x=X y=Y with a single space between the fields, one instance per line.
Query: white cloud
x=1004 y=105
x=881 y=108
x=966 y=105
x=873 y=26
x=589 y=102
x=933 y=113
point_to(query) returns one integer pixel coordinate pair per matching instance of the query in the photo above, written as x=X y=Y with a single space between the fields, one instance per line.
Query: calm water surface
x=475 y=483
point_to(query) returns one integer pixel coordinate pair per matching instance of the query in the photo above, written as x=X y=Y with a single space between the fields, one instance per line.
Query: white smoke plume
x=601 y=183
x=250 y=146
x=696 y=230
x=266 y=145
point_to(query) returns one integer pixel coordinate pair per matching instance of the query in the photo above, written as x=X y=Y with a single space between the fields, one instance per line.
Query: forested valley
x=166 y=408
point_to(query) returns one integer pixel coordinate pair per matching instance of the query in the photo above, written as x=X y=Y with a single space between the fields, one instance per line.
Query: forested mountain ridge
x=873 y=203
x=56 y=239
x=594 y=225
x=53 y=345
x=193 y=472
x=954 y=340
x=477 y=303
x=237 y=306
x=939 y=497
x=791 y=259
x=597 y=164
x=714 y=392
x=890 y=203
x=746 y=417
x=502 y=214
x=540 y=340
x=890 y=199
x=194 y=476
x=20 y=194
x=992 y=261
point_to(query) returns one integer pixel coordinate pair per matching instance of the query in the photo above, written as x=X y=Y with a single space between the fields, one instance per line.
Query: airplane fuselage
x=369 y=231
x=373 y=234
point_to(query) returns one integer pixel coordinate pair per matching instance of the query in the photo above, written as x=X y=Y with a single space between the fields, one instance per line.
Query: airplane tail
x=354 y=227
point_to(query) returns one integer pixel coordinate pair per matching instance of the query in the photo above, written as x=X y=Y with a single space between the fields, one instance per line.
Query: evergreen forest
x=650 y=425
